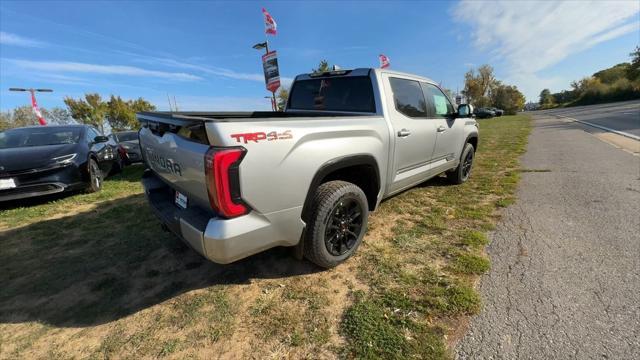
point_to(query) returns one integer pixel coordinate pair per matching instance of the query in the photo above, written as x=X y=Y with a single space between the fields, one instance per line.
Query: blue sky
x=200 y=52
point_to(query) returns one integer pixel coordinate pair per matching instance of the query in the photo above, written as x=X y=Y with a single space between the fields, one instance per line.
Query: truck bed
x=180 y=117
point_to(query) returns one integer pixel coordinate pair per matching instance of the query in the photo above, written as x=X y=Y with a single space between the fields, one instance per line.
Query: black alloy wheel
x=466 y=165
x=344 y=226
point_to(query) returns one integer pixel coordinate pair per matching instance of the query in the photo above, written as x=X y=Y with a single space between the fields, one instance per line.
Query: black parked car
x=129 y=146
x=484 y=113
x=43 y=160
x=498 y=112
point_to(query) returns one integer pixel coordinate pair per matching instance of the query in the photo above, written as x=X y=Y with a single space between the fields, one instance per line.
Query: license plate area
x=181 y=200
x=7 y=184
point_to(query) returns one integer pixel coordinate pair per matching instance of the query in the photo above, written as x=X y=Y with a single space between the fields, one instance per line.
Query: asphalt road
x=565 y=277
x=621 y=116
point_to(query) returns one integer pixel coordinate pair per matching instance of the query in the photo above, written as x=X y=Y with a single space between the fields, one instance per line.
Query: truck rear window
x=350 y=93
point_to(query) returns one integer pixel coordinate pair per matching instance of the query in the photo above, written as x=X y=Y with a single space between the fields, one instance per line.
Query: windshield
x=39 y=136
x=127 y=136
x=350 y=93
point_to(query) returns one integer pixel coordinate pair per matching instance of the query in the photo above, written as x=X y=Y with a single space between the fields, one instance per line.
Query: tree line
x=482 y=89
x=617 y=83
x=117 y=113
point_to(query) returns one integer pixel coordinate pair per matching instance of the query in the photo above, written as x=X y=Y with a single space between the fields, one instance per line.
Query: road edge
x=621 y=133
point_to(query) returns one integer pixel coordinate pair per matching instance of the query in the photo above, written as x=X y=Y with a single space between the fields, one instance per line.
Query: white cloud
x=17 y=40
x=213 y=70
x=76 y=67
x=210 y=70
x=532 y=36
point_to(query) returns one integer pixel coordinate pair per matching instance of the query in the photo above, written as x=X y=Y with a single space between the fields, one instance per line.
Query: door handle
x=442 y=128
x=404 y=133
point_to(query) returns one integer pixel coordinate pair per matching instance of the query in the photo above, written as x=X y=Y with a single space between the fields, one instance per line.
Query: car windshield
x=39 y=136
x=127 y=136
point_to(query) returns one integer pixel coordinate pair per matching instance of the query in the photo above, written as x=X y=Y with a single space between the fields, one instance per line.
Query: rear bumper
x=217 y=239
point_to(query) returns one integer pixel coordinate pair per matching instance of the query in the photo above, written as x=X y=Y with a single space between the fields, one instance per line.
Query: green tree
x=612 y=74
x=23 y=116
x=282 y=97
x=508 y=98
x=478 y=85
x=546 y=99
x=323 y=66
x=57 y=115
x=5 y=120
x=139 y=105
x=121 y=114
x=90 y=110
x=633 y=71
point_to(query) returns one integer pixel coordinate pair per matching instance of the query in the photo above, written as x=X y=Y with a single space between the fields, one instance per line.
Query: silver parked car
x=236 y=183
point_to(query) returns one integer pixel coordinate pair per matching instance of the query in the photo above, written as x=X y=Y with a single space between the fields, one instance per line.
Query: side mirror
x=465 y=110
x=100 y=139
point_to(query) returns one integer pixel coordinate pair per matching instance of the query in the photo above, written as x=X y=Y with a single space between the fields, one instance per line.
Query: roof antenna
x=175 y=104
x=169 y=100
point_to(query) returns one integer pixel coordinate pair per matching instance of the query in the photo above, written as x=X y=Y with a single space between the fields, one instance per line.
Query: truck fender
x=336 y=164
x=473 y=139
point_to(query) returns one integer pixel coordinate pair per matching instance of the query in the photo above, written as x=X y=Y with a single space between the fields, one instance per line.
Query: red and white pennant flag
x=36 y=110
x=384 y=61
x=270 y=26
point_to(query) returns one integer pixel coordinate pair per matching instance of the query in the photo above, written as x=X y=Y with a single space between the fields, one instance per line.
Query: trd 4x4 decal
x=259 y=136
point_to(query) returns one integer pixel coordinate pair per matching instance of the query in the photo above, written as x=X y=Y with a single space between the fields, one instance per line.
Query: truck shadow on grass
x=114 y=260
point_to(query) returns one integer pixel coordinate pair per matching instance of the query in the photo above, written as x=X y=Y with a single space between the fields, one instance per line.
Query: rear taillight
x=223 y=180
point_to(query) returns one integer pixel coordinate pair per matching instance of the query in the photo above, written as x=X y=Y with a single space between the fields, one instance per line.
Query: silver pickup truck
x=234 y=184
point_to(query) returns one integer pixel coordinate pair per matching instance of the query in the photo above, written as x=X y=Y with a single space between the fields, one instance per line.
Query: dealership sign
x=271 y=72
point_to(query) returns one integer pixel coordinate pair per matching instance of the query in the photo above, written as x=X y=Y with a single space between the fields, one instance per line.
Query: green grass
x=118 y=186
x=421 y=277
x=470 y=264
x=76 y=261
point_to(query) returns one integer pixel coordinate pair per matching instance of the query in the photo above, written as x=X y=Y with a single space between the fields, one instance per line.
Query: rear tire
x=95 y=176
x=462 y=173
x=339 y=214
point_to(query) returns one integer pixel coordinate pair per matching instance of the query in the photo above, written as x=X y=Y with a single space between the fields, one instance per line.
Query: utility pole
x=34 y=104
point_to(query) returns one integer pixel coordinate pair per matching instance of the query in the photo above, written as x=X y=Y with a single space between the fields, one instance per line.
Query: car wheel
x=338 y=222
x=95 y=177
x=461 y=174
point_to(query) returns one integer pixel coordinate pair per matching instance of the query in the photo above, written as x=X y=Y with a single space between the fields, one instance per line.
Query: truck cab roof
x=359 y=72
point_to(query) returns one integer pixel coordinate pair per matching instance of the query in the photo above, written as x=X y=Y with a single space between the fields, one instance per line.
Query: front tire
x=339 y=215
x=462 y=173
x=95 y=177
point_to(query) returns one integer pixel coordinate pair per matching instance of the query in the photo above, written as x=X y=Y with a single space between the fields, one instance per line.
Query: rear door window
x=408 y=97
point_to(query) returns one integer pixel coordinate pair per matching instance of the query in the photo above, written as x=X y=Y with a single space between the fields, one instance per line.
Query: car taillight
x=223 y=180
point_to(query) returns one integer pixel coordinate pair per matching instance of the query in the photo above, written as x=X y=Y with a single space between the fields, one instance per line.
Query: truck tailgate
x=179 y=162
